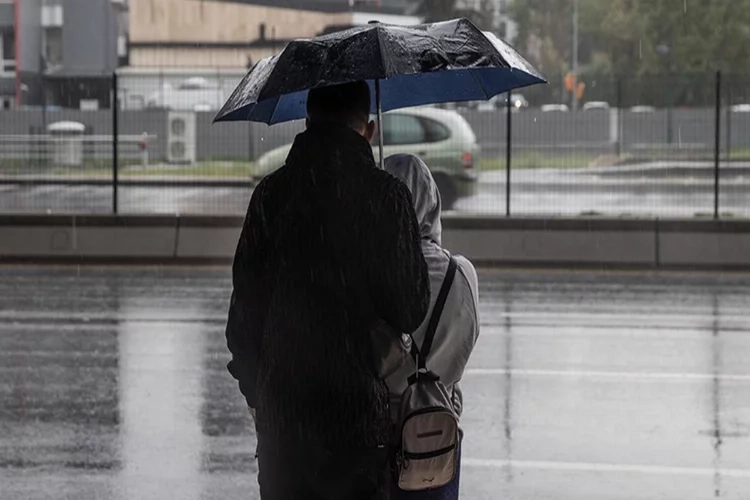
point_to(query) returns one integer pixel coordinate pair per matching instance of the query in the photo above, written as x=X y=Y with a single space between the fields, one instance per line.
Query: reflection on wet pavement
x=583 y=386
x=535 y=192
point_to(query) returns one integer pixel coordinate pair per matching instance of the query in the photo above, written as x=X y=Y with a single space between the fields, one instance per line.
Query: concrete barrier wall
x=705 y=244
x=604 y=243
x=217 y=236
x=529 y=247
x=72 y=237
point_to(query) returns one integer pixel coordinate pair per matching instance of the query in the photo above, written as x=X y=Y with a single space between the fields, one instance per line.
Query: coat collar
x=332 y=146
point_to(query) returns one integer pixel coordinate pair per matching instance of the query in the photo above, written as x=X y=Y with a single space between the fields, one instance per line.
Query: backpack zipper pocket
x=428 y=454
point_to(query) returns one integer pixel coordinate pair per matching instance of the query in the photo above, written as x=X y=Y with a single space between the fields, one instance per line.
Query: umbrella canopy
x=413 y=65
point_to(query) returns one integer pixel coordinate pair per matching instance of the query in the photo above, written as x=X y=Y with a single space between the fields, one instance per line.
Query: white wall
x=137 y=84
x=361 y=18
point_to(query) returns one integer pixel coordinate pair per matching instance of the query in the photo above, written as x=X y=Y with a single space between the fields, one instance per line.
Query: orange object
x=579 y=91
x=570 y=82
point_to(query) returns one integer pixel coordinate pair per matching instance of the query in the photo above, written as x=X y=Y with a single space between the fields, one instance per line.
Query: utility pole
x=496 y=16
x=575 y=54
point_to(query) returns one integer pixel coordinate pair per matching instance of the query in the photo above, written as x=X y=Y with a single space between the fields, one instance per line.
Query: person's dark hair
x=348 y=103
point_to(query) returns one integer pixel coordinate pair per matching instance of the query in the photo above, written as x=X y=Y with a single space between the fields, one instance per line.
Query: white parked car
x=442 y=138
x=552 y=108
x=741 y=108
x=642 y=109
x=596 y=106
x=518 y=102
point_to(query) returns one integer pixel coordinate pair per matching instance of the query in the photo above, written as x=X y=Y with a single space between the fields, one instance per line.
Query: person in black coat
x=330 y=244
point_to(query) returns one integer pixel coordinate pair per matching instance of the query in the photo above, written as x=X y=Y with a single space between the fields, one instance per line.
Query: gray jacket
x=458 y=329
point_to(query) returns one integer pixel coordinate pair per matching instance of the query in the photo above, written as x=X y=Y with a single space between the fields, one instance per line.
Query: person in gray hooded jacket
x=458 y=329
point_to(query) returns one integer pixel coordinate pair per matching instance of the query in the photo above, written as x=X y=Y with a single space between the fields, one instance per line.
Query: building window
x=7 y=53
x=52 y=14
x=53 y=49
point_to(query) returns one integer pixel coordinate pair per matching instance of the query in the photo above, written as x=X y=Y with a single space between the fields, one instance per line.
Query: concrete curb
x=489 y=241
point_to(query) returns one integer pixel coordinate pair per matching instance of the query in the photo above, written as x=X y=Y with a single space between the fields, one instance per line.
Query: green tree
x=646 y=40
x=545 y=33
x=437 y=10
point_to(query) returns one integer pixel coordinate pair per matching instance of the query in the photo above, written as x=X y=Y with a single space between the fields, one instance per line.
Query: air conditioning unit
x=181 y=143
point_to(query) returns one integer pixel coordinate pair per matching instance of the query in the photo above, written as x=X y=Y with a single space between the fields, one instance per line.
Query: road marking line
x=598 y=467
x=75 y=318
x=609 y=331
x=607 y=375
x=567 y=314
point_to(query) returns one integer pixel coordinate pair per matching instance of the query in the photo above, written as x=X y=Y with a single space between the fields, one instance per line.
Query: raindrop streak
x=716 y=396
x=640 y=49
x=508 y=409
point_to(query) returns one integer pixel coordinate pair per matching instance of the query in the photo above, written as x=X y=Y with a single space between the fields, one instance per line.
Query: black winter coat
x=329 y=244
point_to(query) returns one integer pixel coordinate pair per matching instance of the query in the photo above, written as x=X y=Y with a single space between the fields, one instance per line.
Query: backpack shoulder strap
x=420 y=355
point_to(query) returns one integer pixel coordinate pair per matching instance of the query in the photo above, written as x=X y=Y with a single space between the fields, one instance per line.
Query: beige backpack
x=428 y=435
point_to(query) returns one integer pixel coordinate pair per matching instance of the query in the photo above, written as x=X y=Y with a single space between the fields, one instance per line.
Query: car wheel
x=448 y=195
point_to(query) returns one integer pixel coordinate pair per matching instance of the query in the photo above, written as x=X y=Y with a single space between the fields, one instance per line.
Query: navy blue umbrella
x=405 y=66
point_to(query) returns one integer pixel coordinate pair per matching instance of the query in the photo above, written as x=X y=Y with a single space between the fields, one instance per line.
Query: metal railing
x=627 y=158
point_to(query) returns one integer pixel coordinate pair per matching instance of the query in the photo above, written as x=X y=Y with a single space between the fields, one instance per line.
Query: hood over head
x=417 y=177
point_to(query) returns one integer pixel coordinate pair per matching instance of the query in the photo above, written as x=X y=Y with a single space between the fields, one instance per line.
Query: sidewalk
x=114 y=386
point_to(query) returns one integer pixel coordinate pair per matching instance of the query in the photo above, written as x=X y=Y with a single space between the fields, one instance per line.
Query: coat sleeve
x=250 y=298
x=400 y=282
x=472 y=282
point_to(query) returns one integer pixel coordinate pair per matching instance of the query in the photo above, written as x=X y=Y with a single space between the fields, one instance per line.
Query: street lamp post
x=575 y=54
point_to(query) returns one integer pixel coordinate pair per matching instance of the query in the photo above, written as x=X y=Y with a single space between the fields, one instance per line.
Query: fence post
x=44 y=103
x=671 y=104
x=508 y=141
x=618 y=144
x=115 y=140
x=728 y=126
x=717 y=144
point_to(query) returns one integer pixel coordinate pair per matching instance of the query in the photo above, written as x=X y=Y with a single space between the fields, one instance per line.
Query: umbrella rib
x=270 y=120
x=380 y=50
x=481 y=87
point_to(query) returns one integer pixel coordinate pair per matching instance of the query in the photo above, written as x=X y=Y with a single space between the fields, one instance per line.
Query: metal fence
x=676 y=147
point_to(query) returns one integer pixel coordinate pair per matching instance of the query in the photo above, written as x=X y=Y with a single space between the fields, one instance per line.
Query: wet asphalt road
x=583 y=386
x=657 y=190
